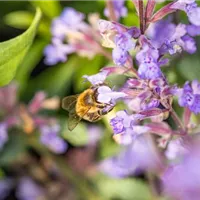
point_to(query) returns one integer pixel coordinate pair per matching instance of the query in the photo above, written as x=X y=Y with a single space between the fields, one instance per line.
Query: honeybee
x=85 y=106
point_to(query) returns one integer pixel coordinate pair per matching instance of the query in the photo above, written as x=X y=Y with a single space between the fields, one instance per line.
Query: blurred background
x=33 y=169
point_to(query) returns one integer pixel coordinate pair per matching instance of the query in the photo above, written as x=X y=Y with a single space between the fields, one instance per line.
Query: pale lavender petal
x=97 y=78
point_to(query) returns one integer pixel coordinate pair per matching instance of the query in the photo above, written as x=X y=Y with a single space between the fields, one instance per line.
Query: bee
x=85 y=106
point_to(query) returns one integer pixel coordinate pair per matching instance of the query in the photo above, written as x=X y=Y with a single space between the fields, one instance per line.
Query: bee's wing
x=69 y=103
x=74 y=119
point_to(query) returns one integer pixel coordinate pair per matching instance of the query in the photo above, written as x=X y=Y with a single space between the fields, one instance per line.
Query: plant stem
x=141 y=16
x=177 y=121
x=111 y=10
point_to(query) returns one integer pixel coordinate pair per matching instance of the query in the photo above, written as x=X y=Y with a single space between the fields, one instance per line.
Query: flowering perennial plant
x=140 y=53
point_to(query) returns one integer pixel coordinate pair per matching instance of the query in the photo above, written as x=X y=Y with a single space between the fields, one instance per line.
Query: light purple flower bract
x=50 y=138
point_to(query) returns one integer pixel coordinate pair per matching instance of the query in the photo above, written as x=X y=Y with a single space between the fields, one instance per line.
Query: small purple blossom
x=3 y=134
x=28 y=189
x=50 y=138
x=119 y=9
x=189 y=96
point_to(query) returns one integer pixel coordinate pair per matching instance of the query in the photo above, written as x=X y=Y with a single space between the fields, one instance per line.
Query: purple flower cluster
x=71 y=34
x=140 y=54
x=149 y=96
x=120 y=38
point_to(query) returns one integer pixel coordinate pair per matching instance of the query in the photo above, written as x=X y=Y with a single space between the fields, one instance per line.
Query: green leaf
x=19 y=19
x=189 y=67
x=50 y=8
x=54 y=80
x=33 y=57
x=124 y=189
x=77 y=137
x=86 y=67
x=23 y=19
x=13 y=51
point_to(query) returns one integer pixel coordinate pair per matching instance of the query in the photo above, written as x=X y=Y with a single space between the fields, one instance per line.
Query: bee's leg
x=106 y=110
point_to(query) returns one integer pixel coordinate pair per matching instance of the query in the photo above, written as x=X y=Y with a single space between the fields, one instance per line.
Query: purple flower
x=189 y=96
x=28 y=189
x=59 y=28
x=148 y=63
x=189 y=44
x=3 y=134
x=137 y=157
x=184 y=5
x=120 y=56
x=194 y=16
x=119 y=9
x=71 y=17
x=125 y=127
x=106 y=95
x=57 y=52
x=50 y=138
x=160 y=32
x=121 y=121
x=97 y=78
x=182 y=181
